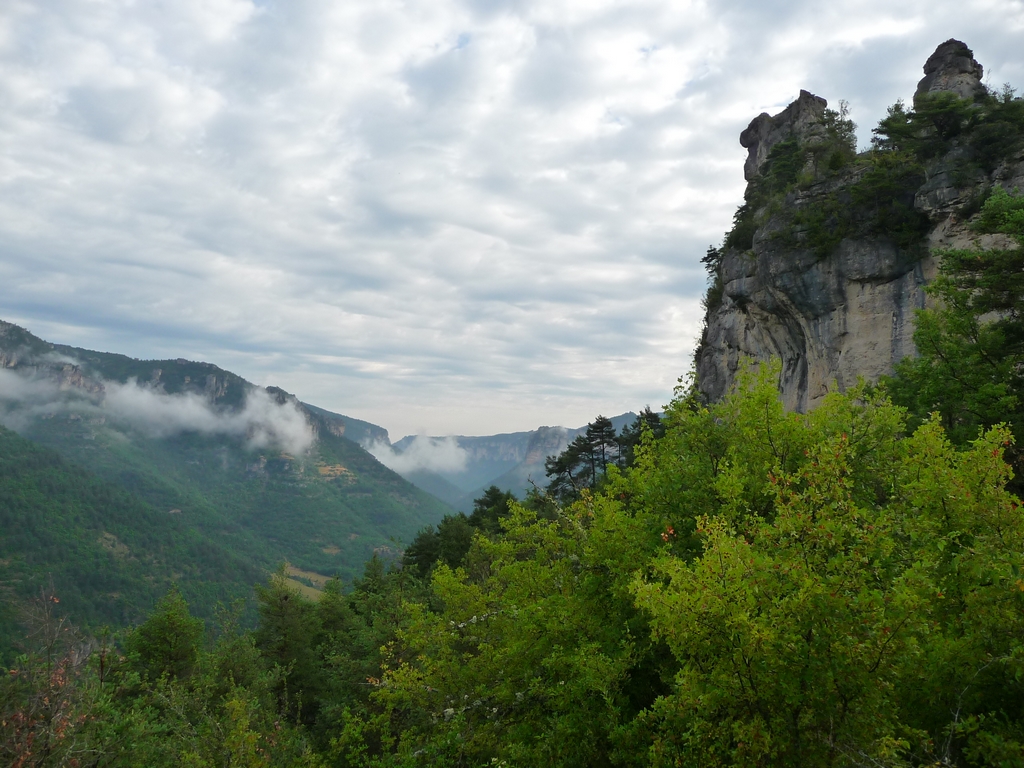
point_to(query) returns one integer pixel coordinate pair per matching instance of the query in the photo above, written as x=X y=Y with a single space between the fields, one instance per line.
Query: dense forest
x=726 y=585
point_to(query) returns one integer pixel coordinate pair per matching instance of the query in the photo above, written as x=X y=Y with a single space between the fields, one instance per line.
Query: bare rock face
x=951 y=69
x=833 y=315
x=828 y=320
x=801 y=119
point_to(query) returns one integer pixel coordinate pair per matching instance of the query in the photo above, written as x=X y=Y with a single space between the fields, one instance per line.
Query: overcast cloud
x=438 y=216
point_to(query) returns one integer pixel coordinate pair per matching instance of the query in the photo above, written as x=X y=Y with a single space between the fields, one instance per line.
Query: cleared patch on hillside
x=305 y=590
x=335 y=471
x=110 y=543
x=318 y=580
x=309 y=584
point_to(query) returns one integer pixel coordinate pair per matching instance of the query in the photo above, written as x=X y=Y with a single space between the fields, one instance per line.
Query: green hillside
x=115 y=507
x=326 y=511
x=108 y=554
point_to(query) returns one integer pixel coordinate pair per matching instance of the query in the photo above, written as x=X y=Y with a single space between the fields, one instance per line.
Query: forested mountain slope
x=204 y=456
x=107 y=553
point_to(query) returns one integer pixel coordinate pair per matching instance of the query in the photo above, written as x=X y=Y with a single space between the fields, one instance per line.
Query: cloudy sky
x=440 y=216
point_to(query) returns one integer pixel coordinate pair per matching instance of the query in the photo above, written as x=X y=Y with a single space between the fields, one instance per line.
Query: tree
x=584 y=462
x=168 y=642
x=489 y=509
x=48 y=697
x=849 y=596
x=288 y=636
x=423 y=552
x=538 y=663
x=569 y=470
x=647 y=422
x=971 y=348
x=454 y=537
x=448 y=544
x=603 y=445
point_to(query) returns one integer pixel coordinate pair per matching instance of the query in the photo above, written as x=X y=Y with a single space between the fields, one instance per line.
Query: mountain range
x=513 y=462
x=120 y=477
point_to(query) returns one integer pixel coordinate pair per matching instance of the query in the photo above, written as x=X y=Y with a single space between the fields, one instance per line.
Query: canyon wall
x=835 y=310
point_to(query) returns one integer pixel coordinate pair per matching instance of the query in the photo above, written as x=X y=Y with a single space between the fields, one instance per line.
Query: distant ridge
x=257 y=475
x=512 y=461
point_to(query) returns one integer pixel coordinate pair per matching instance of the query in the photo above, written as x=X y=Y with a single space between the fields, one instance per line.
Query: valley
x=225 y=481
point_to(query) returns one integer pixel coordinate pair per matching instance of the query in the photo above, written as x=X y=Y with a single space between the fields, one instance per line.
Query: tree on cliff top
x=970 y=368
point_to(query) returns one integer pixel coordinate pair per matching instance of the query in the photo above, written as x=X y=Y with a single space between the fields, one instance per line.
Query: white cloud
x=431 y=454
x=17 y=388
x=441 y=216
x=261 y=422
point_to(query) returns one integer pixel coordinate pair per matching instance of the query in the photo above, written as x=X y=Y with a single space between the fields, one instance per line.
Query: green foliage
x=423 y=552
x=782 y=168
x=879 y=203
x=530 y=663
x=990 y=130
x=791 y=164
x=448 y=544
x=971 y=347
x=744 y=227
x=756 y=588
x=1003 y=213
x=879 y=199
x=795 y=571
x=263 y=505
x=287 y=636
x=108 y=554
x=583 y=462
x=840 y=146
x=884 y=196
x=821 y=225
x=490 y=509
x=779 y=174
x=645 y=428
x=800 y=637
x=167 y=643
x=712 y=261
x=62 y=706
x=926 y=130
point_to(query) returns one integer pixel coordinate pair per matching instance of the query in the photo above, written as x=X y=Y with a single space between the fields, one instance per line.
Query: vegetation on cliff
x=825 y=192
x=971 y=348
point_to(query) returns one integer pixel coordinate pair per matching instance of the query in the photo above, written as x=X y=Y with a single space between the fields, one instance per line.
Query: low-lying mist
x=262 y=422
x=429 y=454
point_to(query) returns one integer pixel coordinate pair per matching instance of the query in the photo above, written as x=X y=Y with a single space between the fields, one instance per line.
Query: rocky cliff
x=831 y=251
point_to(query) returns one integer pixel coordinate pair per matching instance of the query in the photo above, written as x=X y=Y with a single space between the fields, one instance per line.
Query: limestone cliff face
x=846 y=313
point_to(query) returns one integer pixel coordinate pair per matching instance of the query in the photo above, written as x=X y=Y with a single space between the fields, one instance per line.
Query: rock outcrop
x=801 y=119
x=952 y=69
x=843 y=310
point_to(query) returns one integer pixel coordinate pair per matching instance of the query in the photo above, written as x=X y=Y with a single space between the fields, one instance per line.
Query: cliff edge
x=830 y=252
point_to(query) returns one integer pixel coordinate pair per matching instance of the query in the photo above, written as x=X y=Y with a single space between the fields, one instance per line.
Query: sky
x=440 y=216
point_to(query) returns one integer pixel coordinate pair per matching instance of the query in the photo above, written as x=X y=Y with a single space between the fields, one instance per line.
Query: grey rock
x=951 y=69
x=801 y=119
x=834 y=318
